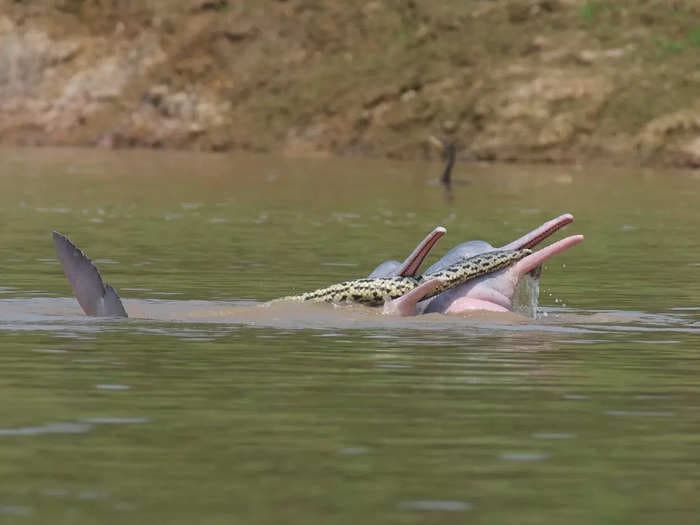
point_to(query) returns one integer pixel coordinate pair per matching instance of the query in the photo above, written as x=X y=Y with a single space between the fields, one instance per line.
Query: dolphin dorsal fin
x=95 y=297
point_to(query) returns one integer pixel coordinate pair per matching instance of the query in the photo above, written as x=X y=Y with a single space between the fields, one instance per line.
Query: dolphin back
x=385 y=269
x=94 y=296
x=460 y=252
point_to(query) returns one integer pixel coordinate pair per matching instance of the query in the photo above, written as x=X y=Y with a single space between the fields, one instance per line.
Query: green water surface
x=589 y=415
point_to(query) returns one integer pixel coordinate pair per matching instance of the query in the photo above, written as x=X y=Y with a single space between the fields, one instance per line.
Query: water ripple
x=49 y=428
x=15 y=510
x=524 y=456
x=435 y=505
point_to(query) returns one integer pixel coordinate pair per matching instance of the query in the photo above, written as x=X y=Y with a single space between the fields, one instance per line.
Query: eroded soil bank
x=542 y=80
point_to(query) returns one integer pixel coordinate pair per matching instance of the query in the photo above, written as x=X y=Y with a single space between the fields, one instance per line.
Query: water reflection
x=553 y=435
x=523 y=456
x=49 y=428
x=14 y=510
x=435 y=505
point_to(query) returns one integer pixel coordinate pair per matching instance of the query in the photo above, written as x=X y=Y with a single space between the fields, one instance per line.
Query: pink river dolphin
x=493 y=292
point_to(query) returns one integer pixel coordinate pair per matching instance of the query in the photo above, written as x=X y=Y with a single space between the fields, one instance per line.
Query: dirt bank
x=543 y=80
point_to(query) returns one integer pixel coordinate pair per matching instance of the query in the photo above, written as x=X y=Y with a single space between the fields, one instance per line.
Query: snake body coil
x=375 y=291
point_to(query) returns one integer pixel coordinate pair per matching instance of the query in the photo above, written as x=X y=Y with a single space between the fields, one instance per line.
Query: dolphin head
x=514 y=288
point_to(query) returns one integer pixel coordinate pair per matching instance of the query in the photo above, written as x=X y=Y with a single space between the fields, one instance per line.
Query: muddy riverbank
x=507 y=80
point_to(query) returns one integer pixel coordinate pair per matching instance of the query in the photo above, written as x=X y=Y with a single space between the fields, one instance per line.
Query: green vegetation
x=590 y=10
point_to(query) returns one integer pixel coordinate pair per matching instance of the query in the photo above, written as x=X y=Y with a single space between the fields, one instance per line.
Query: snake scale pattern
x=375 y=291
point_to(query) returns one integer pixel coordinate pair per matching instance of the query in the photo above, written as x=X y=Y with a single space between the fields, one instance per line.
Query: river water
x=203 y=409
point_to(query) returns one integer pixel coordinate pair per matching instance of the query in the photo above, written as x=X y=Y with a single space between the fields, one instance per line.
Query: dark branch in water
x=449 y=154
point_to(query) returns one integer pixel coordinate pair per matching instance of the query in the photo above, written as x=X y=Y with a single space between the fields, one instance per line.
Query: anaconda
x=375 y=291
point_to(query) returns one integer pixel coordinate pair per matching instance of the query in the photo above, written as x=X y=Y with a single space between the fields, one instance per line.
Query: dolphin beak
x=406 y=305
x=536 y=236
x=413 y=262
x=537 y=258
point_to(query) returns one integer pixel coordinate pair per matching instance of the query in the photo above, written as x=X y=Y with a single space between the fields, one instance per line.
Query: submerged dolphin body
x=495 y=291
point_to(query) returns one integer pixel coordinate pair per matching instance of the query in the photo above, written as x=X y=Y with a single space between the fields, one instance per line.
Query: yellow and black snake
x=375 y=291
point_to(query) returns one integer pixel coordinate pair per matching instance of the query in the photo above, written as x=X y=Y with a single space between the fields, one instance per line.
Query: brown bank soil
x=531 y=80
